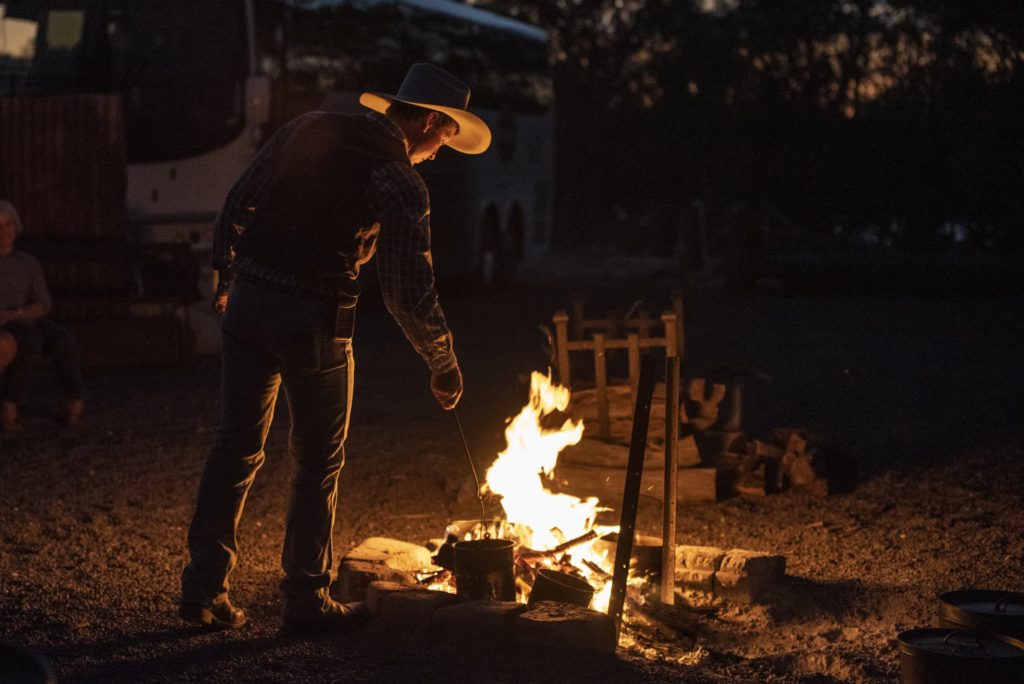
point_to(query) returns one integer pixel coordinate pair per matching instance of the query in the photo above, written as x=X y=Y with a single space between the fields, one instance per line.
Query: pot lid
x=987 y=602
x=963 y=643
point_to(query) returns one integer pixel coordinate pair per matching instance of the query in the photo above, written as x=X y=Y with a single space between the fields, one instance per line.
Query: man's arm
x=399 y=199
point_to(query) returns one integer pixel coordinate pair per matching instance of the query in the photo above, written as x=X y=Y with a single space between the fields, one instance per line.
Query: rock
x=478 y=621
x=699 y=580
x=563 y=625
x=376 y=592
x=747 y=576
x=355 y=577
x=395 y=554
x=740 y=587
x=412 y=610
x=754 y=563
x=699 y=557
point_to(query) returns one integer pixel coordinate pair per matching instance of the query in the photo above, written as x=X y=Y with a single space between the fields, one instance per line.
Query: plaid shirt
x=400 y=203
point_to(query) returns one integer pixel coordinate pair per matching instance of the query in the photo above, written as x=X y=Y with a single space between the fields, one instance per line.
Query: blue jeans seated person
x=35 y=340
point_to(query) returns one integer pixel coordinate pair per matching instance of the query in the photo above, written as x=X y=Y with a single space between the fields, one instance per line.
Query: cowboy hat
x=431 y=87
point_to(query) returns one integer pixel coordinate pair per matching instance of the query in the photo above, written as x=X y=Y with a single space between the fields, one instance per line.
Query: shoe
x=220 y=614
x=71 y=413
x=9 y=423
x=322 y=614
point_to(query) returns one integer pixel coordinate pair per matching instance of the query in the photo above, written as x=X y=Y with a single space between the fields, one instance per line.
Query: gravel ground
x=924 y=392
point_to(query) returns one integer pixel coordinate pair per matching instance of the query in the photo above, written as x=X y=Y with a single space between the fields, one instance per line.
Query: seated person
x=25 y=332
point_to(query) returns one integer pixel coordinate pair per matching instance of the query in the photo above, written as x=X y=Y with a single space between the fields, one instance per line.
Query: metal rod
x=472 y=467
x=668 y=519
x=631 y=495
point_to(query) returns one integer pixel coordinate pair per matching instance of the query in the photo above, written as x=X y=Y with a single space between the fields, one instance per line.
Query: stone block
x=412 y=610
x=377 y=591
x=477 y=621
x=700 y=580
x=395 y=554
x=563 y=625
x=754 y=563
x=741 y=587
x=747 y=576
x=699 y=557
x=356 y=576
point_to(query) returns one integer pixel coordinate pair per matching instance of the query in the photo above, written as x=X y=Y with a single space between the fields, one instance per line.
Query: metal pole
x=668 y=520
x=631 y=495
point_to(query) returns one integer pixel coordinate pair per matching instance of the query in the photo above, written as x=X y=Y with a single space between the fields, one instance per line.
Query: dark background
x=839 y=124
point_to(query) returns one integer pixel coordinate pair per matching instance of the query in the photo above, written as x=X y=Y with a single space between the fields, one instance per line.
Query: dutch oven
x=1001 y=612
x=935 y=655
x=552 y=585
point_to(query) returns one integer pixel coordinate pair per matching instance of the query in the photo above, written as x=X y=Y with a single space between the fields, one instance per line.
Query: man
x=325 y=194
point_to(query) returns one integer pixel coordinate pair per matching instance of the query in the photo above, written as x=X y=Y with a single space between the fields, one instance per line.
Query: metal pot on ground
x=996 y=611
x=934 y=655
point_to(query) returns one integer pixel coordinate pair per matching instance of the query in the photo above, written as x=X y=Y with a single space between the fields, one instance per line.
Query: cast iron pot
x=552 y=585
x=485 y=569
x=933 y=655
x=1001 y=612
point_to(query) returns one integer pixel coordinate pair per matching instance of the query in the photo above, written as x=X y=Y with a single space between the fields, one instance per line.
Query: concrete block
x=477 y=621
x=754 y=563
x=356 y=576
x=699 y=557
x=562 y=625
x=746 y=576
x=741 y=587
x=412 y=610
x=700 y=580
x=395 y=554
x=376 y=592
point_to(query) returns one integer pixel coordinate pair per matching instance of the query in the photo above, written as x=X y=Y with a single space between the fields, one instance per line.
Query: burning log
x=597 y=570
x=530 y=554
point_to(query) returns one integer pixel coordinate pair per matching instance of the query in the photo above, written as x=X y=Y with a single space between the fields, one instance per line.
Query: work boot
x=71 y=412
x=9 y=418
x=319 y=613
x=219 y=614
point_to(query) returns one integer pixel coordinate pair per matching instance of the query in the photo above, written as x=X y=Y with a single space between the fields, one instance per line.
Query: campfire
x=549 y=531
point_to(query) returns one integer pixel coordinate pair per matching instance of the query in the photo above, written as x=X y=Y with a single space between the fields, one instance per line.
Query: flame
x=542 y=519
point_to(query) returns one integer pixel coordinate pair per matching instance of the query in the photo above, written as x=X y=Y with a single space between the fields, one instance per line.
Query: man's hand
x=447 y=387
x=220 y=302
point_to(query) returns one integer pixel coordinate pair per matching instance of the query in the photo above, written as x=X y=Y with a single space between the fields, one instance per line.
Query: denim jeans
x=271 y=339
x=37 y=339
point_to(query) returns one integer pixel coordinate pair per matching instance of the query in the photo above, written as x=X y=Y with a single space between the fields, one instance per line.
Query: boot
x=219 y=614
x=9 y=418
x=318 y=613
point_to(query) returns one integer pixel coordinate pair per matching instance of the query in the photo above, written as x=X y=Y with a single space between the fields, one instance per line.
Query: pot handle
x=966 y=635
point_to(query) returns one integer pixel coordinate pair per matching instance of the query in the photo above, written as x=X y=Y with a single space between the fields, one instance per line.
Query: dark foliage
x=900 y=112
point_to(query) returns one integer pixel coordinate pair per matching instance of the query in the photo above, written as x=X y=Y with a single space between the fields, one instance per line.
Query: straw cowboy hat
x=431 y=87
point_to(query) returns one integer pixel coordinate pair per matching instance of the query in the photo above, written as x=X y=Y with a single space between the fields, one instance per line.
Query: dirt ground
x=923 y=391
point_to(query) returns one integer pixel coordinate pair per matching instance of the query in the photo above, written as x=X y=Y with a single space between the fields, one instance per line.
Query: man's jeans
x=272 y=338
